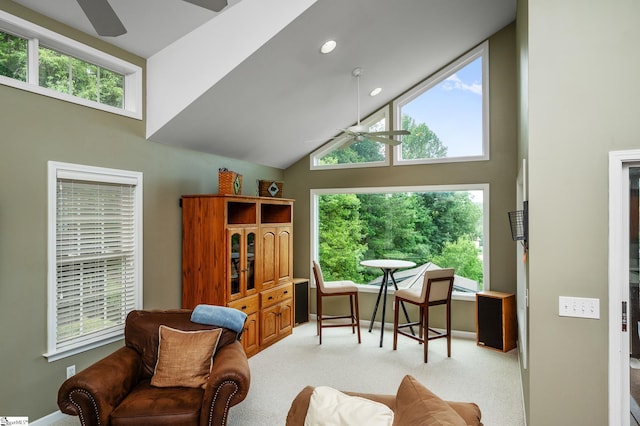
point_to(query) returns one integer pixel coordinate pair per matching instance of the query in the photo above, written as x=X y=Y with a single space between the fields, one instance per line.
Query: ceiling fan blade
x=380 y=139
x=102 y=17
x=390 y=133
x=215 y=5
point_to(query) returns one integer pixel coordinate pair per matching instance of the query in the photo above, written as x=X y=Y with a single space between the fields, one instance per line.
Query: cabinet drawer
x=248 y=305
x=276 y=295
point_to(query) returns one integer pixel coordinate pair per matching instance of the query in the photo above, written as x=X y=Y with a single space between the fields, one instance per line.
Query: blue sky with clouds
x=453 y=110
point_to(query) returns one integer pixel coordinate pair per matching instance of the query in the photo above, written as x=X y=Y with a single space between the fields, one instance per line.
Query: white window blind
x=97 y=237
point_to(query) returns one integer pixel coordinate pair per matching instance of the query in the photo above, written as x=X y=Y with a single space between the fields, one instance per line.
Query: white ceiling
x=282 y=101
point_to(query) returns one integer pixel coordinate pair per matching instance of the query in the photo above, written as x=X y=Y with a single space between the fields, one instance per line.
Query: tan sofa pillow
x=417 y=405
x=185 y=358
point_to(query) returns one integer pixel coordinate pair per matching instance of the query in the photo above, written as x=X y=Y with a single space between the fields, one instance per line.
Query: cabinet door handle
x=270 y=297
x=244 y=307
x=286 y=291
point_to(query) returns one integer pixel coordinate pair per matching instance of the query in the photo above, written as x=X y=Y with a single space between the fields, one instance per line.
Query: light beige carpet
x=489 y=378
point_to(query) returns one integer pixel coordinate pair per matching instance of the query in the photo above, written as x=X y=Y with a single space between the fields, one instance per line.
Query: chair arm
x=299 y=407
x=227 y=386
x=94 y=392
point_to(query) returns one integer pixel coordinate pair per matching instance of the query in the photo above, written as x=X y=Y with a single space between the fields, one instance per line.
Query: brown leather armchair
x=117 y=391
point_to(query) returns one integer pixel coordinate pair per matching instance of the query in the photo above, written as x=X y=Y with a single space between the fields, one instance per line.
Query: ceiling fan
x=106 y=22
x=360 y=132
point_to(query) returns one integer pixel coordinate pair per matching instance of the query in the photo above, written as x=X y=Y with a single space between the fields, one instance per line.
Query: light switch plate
x=579 y=307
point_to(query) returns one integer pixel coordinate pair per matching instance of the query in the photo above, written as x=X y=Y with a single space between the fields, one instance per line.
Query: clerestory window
x=35 y=59
x=447 y=114
x=365 y=153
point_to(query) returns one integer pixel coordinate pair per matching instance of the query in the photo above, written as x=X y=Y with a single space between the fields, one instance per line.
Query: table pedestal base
x=383 y=289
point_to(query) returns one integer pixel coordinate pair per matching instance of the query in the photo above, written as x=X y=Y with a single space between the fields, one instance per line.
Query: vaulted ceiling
x=283 y=98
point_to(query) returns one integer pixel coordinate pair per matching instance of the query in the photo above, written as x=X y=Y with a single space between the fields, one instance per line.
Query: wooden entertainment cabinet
x=237 y=251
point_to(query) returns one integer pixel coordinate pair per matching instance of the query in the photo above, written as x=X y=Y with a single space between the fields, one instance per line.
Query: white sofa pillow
x=330 y=407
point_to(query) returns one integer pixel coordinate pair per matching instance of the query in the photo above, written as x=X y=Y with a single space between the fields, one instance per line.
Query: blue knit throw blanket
x=220 y=316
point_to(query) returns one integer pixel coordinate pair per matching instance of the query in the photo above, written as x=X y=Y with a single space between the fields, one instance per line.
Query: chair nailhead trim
x=226 y=408
x=83 y=421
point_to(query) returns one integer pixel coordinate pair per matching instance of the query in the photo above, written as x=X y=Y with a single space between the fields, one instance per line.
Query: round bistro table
x=389 y=267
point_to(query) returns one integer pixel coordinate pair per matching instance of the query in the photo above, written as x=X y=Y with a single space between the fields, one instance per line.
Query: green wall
x=583 y=64
x=499 y=172
x=35 y=129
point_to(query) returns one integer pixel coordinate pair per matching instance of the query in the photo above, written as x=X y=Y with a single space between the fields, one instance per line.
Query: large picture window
x=95 y=246
x=435 y=227
x=448 y=114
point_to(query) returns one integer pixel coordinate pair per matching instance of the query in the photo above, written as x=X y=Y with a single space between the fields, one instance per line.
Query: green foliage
x=463 y=256
x=421 y=143
x=453 y=215
x=54 y=70
x=341 y=245
x=422 y=227
x=111 y=88
x=67 y=74
x=358 y=152
x=13 y=56
x=389 y=227
x=61 y=72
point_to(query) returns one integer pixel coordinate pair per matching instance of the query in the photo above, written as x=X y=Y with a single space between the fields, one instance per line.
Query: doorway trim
x=619 y=162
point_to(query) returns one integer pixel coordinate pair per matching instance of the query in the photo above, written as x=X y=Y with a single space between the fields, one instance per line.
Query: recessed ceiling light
x=375 y=91
x=328 y=46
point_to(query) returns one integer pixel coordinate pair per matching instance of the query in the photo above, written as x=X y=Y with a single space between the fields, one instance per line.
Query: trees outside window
x=66 y=74
x=366 y=153
x=13 y=56
x=444 y=227
x=38 y=60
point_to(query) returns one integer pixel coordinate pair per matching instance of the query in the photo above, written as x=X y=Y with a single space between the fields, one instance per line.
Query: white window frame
x=58 y=170
x=36 y=35
x=484 y=187
x=480 y=51
x=315 y=156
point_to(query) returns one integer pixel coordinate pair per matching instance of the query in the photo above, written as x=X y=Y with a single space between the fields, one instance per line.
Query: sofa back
x=141 y=333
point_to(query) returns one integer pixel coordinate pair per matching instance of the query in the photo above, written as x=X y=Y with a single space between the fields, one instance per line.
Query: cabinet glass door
x=251 y=249
x=234 y=267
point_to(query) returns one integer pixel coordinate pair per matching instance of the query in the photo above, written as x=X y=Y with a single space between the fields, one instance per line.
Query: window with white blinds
x=94 y=255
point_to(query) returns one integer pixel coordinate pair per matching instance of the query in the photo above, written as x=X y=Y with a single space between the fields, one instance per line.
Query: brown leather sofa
x=117 y=391
x=413 y=405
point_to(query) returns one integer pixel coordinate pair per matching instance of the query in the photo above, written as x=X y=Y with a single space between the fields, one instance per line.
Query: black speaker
x=495 y=326
x=301 y=300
